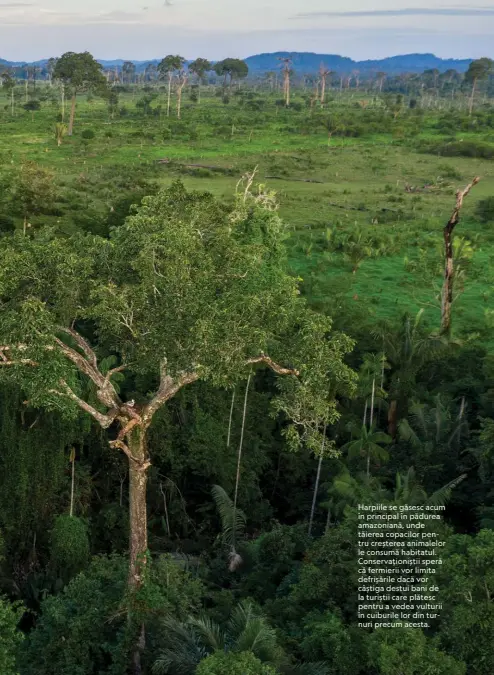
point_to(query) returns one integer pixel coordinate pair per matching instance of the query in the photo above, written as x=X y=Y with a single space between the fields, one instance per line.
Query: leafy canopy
x=183 y=283
x=79 y=71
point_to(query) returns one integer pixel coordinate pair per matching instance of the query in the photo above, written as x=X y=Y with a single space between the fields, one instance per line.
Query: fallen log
x=194 y=166
x=300 y=180
x=348 y=207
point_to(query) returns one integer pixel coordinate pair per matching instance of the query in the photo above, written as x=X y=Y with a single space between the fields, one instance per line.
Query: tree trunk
x=137 y=506
x=323 y=90
x=179 y=101
x=393 y=418
x=470 y=109
x=72 y=115
x=170 y=75
x=447 y=290
x=138 y=536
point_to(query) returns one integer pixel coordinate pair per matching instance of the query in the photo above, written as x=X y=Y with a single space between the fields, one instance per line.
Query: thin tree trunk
x=170 y=75
x=372 y=402
x=179 y=100
x=72 y=115
x=72 y=461
x=230 y=420
x=328 y=521
x=470 y=108
x=316 y=486
x=370 y=424
x=239 y=459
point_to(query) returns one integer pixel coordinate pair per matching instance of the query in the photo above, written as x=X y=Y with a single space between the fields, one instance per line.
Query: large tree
x=182 y=292
x=477 y=70
x=128 y=71
x=29 y=190
x=78 y=72
x=8 y=84
x=200 y=67
x=167 y=68
x=232 y=69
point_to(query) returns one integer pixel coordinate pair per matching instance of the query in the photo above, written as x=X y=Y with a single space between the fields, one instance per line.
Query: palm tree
x=367 y=443
x=232 y=524
x=188 y=642
x=407 y=348
x=348 y=491
x=409 y=491
x=191 y=641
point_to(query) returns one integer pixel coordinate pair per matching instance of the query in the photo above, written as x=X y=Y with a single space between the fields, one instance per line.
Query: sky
x=216 y=29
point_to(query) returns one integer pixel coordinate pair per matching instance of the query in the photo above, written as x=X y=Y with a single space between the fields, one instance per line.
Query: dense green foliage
x=157 y=238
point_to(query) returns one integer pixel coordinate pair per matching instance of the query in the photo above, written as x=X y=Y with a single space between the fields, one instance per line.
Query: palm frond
x=443 y=495
x=209 y=632
x=232 y=520
x=183 y=650
x=407 y=434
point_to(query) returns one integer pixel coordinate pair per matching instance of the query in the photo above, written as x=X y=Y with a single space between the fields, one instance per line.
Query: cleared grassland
x=362 y=244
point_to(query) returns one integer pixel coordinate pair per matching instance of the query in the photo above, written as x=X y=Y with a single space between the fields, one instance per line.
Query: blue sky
x=144 y=29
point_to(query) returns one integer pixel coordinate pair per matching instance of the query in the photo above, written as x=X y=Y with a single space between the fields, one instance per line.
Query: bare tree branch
x=460 y=196
x=125 y=448
x=104 y=420
x=120 y=369
x=83 y=344
x=106 y=392
x=280 y=370
x=167 y=389
x=8 y=361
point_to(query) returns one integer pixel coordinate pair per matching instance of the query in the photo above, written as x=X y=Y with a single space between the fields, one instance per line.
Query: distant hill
x=308 y=62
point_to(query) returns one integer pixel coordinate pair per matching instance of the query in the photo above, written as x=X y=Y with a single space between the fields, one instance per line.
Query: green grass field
x=360 y=193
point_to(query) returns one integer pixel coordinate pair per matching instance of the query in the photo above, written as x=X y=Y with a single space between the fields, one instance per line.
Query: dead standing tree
x=286 y=70
x=447 y=290
x=182 y=78
x=323 y=73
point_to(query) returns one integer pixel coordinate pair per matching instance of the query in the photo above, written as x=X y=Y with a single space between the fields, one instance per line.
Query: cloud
x=15 y=5
x=418 y=11
x=116 y=17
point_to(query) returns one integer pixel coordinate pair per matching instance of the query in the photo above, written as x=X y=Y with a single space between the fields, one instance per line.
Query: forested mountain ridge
x=310 y=62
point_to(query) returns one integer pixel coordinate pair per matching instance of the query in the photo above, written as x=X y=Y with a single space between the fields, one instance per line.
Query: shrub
x=485 y=210
x=88 y=134
x=32 y=105
x=231 y=663
x=10 y=636
x=69 y=544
